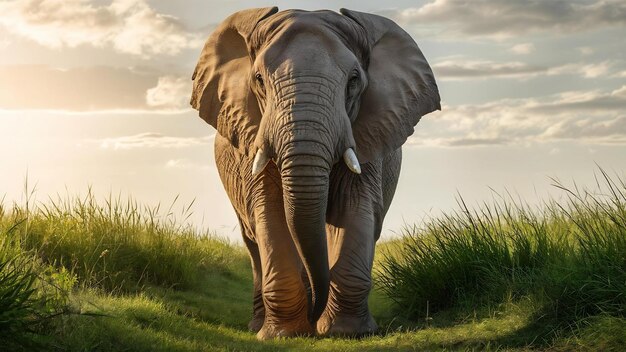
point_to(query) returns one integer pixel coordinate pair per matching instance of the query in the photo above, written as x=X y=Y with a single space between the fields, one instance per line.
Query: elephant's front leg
x=352 y=253
x=354 y=224
x=283 y=291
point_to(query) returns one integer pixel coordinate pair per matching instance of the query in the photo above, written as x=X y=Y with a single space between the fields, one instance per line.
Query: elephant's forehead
x=298 y=29
x=295 y=40
x=290 y=19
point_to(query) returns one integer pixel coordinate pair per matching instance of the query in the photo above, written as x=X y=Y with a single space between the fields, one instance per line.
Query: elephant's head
x=308 y=90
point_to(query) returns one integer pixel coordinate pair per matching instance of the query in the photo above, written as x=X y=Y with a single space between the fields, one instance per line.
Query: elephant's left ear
x=221 y=81
x=401 y=88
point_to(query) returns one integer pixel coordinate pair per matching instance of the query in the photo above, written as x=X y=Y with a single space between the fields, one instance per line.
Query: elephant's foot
x=346 y=325
x=256 y=323
x=272 y=330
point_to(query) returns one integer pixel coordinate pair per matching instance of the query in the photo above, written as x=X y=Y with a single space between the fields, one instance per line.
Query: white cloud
x=466 y=68
x=99 y=89
x=151 y=140
x=621 y=74
x=505 y=18
x=523 y=49
x=596 y=69
x=592 y=70
x=173 y=163
x=592 y=117
x=128 y=26
x=186 y=164
x=462 y=68
x=170 y=92
x=585 y=50
x=620 y=92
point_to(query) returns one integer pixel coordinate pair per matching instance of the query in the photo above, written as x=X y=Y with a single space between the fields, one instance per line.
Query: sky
x=96 y=94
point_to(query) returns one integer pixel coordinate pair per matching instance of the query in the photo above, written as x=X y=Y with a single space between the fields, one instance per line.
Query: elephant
x=311 y=110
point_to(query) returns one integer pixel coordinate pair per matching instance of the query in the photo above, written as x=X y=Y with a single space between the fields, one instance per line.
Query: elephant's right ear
x=401 y=88
x=221 y=81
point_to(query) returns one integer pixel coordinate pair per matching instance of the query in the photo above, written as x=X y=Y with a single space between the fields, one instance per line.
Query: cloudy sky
x=95 y=93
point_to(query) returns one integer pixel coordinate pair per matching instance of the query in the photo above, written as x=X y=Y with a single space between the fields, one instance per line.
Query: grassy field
x=83 y=274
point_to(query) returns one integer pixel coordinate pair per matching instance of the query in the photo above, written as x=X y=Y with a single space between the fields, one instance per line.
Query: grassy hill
x=81 y=274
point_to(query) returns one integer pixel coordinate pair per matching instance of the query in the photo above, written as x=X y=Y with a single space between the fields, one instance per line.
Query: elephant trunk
x=305 y=179
x=304 y=158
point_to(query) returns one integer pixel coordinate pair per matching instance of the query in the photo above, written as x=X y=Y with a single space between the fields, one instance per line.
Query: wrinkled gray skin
x=298 y=89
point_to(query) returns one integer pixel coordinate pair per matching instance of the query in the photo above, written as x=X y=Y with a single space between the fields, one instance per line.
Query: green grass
x=119 y=245
x=570 y=256
x=77 y=274
x=31 y=292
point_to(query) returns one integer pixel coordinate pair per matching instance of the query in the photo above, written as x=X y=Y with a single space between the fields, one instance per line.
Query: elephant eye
x=353 y=82
x=352 y=87
x=259 y=79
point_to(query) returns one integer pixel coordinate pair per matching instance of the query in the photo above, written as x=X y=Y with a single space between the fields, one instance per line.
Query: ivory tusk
x=351 y=161
x=260 y=161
